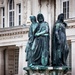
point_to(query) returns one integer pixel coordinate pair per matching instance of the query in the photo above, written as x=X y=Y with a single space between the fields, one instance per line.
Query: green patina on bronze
x=31 y=35
x=37 y=48
x=60 y=47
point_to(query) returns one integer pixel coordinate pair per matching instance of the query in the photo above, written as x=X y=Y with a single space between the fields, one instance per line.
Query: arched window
x=11 y=13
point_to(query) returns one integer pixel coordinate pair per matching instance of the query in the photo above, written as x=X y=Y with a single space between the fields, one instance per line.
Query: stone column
x=28 y=11
x=70 y=8
x=6 y=13
x=73 y=56
x=22 y=62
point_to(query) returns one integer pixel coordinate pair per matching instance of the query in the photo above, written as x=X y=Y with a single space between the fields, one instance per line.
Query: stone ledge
x=46 y=70
x=49 y=68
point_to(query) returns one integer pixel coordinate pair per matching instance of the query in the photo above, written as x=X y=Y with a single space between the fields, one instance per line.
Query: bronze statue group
x=38 y=50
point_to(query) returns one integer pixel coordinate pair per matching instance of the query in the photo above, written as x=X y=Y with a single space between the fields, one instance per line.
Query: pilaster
x=73 y=57
x=1 y=62
x=22 y=62
x=28 y=11
x=6 y=13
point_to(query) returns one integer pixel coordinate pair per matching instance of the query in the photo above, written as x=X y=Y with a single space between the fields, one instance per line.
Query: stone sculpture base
x=45 y=70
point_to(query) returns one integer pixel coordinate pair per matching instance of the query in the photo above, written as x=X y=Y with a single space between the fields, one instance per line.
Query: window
x=16 y=60
x=19 y=14
x=66 y=9
x=11 y=13
x=3 y=17
x=13 y=60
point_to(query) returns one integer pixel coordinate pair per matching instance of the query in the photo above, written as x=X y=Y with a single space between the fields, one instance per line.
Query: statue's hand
x=36 y=34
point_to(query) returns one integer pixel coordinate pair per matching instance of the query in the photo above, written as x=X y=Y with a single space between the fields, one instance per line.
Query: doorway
x=9 y=61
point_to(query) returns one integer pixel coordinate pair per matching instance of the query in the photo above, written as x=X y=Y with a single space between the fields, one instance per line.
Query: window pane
x=19 y=8
x=67 y=15
x=10 y=13
x=66 y=9
x=10 y=19
x=67 y=3
x=13 y=13
x=64 y=16
x=10 y=16
x=3 y=22
x=3 y=11
x=11 y=4
x=10 y=23
x=64 y=4
x=13 y=18
x=16 y=61
x=19 y=19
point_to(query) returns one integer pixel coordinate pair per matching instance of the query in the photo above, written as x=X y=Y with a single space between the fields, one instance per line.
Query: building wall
x=18 y=35
x=5 y=4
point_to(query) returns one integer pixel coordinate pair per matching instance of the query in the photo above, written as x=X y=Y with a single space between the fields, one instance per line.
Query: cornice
x=70 y=20
x=70 y=27
x=14 y=31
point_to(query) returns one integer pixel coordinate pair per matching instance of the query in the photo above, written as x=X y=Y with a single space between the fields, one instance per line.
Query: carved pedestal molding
x=45 y=70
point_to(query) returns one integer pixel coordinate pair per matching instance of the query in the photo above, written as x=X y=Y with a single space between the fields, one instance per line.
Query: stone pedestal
x=45 y=70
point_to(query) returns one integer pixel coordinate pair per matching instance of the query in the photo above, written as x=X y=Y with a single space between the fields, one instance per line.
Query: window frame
x=2 y=17
x=66 y=9
x=11 y=22
x=19 y=14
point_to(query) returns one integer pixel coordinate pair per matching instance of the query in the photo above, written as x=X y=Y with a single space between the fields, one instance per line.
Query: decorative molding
x=11 y=37
x=70 y=27
x=12 y=33
x=70 y=20
x=17 y=1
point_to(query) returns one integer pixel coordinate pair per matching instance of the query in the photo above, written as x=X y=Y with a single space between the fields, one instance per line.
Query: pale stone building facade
x=14 y=27
x=67 y=7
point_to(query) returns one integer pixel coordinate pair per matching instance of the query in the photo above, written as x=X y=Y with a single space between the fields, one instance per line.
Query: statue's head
x=40 y=17
x=33 y=19
x=61 y=17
